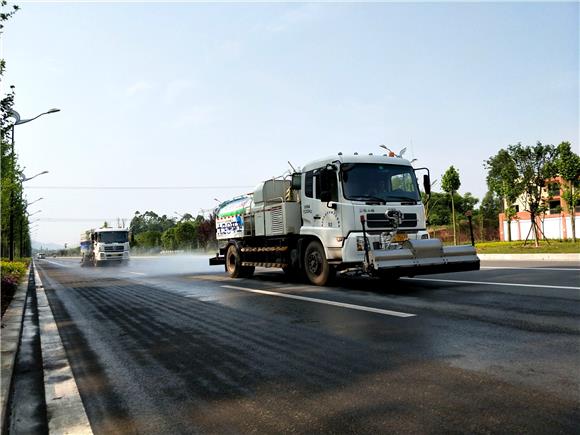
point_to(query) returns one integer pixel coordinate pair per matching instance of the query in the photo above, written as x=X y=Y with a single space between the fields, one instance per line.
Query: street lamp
x=17 y=121
x=36 y=200
x=22 y=227
x=23 y=178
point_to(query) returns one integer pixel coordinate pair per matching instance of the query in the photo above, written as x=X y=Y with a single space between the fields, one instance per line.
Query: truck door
x=321 y=211
x=311 y=207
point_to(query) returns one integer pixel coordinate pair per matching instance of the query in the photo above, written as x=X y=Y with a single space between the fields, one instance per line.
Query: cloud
x=138 y=87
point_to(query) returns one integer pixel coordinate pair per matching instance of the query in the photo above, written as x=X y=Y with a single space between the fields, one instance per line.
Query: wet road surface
x=170 y=345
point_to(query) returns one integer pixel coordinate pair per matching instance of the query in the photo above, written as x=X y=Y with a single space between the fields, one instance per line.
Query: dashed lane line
x=508 y=284
x=64 y=407
x=322 y=301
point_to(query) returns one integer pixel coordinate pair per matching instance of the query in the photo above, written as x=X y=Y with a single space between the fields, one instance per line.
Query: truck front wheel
x=317 y=269
x=234 y=264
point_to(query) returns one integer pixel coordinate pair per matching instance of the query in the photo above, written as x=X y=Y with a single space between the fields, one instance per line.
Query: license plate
x=400 y=237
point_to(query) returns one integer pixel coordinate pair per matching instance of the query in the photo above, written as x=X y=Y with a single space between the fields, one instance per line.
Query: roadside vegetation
x=11 y=274
x=151 y=232
x=14 y=223
x=528 y=177
x=518 y=247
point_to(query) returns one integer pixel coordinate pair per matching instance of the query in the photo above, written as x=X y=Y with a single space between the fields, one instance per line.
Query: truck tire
x=234 y=266
x=316 y=268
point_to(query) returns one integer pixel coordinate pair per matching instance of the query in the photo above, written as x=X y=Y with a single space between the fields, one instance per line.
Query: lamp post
x=22 y=228
x=17 y=121
x=22 y=247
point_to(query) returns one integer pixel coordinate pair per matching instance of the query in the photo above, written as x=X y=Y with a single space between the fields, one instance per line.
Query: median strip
x=508 y=284
x=322 y=301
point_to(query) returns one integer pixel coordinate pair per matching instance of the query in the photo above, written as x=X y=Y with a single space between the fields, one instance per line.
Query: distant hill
x=44 y=245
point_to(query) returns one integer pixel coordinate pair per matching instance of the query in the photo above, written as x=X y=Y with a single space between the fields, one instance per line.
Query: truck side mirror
x=296 y=181
x=427 y=184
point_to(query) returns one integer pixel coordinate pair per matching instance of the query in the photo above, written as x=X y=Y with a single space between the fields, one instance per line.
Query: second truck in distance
x=347 y=214
x=104 y=246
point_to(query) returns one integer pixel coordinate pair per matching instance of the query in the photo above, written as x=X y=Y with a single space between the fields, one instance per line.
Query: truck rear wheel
x=317 y=269
x=234 y=264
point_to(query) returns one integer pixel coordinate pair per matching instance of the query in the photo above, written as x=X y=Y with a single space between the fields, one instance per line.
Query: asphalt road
x=170 y=345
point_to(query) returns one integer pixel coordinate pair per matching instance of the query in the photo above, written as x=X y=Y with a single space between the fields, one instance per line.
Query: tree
x=185 y=234
x=149 y=239
x=490 y=206
x=206 y=231
x=11 y=185
x=534 y=166
x=568 y=166
x=450 y=184
x=502 y=179
x=168 y=239
x=150 y=221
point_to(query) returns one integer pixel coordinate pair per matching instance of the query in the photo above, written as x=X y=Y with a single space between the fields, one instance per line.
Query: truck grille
x=114 y=248
x=277 y=220
x=379 y=220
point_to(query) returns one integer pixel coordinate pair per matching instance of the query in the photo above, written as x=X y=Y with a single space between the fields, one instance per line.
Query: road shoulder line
x=10 y=340
x=322 y=301
x=64 y=407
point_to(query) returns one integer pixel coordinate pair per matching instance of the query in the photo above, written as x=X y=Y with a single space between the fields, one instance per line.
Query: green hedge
x=12 y=272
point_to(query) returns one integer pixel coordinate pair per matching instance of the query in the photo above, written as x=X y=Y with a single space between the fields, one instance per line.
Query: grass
x=551 y=247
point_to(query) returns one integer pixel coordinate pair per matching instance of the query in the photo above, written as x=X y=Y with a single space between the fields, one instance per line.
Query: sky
x=220 y=96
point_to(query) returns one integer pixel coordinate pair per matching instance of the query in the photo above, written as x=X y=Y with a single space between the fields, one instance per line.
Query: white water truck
x=359 y=214
x=104 y=246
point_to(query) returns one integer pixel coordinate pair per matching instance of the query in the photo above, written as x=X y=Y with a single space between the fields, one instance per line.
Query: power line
x=136 y=187
x=58 y=219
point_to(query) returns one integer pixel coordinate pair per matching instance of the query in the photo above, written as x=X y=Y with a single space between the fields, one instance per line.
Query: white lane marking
x=63 y=401
x=137 y=273
x=57 y=264
x=322 y=301
x=529 y=268
x=494 y=283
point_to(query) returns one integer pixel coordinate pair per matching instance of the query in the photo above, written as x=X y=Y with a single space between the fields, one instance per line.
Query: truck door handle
x=316 y=217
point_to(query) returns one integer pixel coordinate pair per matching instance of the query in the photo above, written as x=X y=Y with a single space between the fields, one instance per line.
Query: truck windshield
x=374 y=182
x=113 y=237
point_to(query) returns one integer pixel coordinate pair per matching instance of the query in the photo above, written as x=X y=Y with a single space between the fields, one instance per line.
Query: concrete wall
x=554 y=227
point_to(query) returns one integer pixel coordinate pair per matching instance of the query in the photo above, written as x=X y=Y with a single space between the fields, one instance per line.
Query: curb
x=10 y=338
x=531 y=257
x=64 y=407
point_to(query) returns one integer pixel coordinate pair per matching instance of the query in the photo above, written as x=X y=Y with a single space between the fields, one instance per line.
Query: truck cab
x=105 y=245
x=335 y=192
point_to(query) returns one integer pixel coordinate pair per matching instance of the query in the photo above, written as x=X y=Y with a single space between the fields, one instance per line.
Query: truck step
x=260 y=264
x=265 y=249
